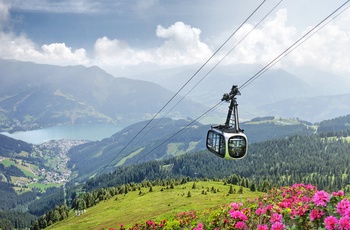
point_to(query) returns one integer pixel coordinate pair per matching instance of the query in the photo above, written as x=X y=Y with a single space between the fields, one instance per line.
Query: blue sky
x=127 y=33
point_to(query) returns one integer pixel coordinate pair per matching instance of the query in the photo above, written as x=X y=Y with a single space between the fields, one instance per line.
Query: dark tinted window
x=237 y=146
x=216 y=143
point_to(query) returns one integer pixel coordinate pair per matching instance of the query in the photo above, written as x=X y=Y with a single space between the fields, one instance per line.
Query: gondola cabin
x=226 y=143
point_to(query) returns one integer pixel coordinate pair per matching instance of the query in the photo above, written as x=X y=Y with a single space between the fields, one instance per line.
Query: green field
x=156 y=205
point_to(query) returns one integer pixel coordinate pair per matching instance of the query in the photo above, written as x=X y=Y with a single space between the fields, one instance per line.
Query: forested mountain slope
x=166 y=138
x=310 y=156
x=296 y=159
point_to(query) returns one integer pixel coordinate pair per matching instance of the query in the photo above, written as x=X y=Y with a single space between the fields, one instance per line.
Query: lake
x=93 y=132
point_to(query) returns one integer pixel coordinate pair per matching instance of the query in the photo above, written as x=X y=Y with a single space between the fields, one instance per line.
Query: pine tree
x=194 y=185
x=231 y=190
x=240 y=191
x=252 y=187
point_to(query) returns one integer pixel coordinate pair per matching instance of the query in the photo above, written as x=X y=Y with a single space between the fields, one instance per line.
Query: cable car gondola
x=228 y=141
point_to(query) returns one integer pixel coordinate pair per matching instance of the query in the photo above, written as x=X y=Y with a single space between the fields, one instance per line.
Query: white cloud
x=22 y=48
x=60 y=53
x=263 y=44
x=328 y=49
x=116 y=52
x=182 y=46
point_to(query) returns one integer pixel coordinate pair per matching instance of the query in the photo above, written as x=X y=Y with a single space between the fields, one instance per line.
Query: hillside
x=298 y=159
x=28 y=172
x=308 y=159
x=298 y=206
x=35 y=95
x=313 y=109
x=281 y=152
x=158 y=142
x=156 y=202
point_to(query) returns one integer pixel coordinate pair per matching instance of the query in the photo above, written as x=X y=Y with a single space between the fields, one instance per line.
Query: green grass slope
x=142 y=205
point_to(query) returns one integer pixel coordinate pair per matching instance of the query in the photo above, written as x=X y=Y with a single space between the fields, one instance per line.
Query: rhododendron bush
x=294 y=207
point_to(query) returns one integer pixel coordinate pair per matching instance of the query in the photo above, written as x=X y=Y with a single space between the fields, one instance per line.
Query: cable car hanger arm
x=233 y=107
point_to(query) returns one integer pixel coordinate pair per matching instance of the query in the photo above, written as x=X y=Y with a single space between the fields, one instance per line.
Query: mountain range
x=306 y=93
x=35 y=95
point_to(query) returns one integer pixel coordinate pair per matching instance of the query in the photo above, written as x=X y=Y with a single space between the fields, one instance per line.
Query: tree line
x=324 y=162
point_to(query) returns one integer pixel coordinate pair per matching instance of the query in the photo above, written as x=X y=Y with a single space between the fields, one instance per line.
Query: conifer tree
x=194 y=185
x=231 y=190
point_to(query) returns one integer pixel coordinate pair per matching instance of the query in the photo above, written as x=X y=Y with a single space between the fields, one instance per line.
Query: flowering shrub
x=295 y=207
x=185 y=218
x=149 y=225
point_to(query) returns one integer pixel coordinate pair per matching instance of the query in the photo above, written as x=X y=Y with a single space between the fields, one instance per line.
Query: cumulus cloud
x=327 y=49
x=181 y=46
x=263 y=44
x=116 y=52
x=20 y=47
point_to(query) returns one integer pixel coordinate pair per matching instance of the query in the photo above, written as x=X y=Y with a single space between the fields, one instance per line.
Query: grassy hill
x=161 y=203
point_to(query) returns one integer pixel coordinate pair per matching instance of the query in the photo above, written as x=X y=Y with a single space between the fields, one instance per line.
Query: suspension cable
x=182 y=129
x=269 y=65
x=239 y=42
x=306 y=36
x=166 y=104
x=290 y=48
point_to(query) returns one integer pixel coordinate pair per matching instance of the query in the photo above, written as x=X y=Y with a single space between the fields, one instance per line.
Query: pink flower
x=339 y=193
x=199 y=227
x=263 y=227
x=287 y=203
x=278 y=226
x=343 y=207
x=310 y=187
x=236 y=205
x=260 y=211
x=331 y=222
x=321 y=198
x=316 y=214
x=276 y=218
x=238 y=215
x=344 y=223
x=240 y=225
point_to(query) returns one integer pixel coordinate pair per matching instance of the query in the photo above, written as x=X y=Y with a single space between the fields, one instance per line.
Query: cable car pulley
x=228 y=141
